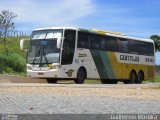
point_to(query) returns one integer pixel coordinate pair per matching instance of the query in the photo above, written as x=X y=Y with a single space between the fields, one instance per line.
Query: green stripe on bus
x=99 y=64
x=102 y=63
x=107 y=64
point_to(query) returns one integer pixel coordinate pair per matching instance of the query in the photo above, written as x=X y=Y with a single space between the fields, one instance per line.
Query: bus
x=70 y=53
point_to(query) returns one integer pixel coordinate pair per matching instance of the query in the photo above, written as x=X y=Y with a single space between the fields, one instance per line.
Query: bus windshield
x=43 y=51
x=43 y=47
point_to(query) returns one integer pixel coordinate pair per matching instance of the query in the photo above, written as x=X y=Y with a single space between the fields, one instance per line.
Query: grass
x=14 y=62
x=92 y=81
x=12 y=46
x=157 y=78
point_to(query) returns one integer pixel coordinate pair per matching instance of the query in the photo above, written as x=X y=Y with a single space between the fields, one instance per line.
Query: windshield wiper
x=38 y=52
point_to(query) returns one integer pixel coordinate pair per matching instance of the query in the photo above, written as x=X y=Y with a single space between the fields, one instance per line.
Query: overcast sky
x=139 y=18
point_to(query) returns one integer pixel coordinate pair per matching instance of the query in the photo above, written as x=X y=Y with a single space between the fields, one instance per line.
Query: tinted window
x=122 y=45
x=83 y=40
x=146 y=48
x=141 y=48
x=68 y=47
x=132 y=45
x=150 y=48
x=95 y=41
x=102 y=42
x=111 y=44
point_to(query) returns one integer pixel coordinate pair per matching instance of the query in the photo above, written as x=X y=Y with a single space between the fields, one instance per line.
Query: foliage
x=13 y=46
x=6 y=25
x=12 y=63
x=15 y=61
x=156 y=39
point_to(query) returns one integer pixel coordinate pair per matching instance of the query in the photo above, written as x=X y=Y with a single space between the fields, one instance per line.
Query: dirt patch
x=22 y=79
x=19 y=79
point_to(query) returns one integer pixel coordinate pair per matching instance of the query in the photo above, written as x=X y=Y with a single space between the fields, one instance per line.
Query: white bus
x=58 y=53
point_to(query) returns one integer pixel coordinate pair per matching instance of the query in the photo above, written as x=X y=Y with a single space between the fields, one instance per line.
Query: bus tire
x=81 y=76
x=51 y=80
x=109 y=81
x=133 y=77
x=140 y=77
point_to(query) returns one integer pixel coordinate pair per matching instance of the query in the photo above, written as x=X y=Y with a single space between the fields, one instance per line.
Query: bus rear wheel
x=81 y=75
x=133 y=77
x=140 y=77
x=51 y=80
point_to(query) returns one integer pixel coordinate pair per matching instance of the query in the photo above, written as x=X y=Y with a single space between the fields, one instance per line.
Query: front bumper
x=55 y=73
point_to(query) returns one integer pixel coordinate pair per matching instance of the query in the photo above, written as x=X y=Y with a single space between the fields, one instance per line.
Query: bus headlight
x=55 y=67
x=29 y=68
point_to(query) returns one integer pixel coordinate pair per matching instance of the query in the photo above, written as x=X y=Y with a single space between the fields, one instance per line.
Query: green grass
x=12 y=46
x=157 y=78
x=14 y=62
x=92 y=82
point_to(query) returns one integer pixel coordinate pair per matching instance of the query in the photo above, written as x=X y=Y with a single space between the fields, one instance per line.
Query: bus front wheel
x=81 y=75
x=51 y=80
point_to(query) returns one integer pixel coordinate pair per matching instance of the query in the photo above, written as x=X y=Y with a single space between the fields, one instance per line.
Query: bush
x=12 y=63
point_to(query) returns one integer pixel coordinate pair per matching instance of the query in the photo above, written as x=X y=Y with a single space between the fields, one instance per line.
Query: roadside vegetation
x=157 y=77
x=11 y=58
x=14 y=61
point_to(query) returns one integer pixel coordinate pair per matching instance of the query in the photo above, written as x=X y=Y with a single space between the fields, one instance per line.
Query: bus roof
x=96 y=31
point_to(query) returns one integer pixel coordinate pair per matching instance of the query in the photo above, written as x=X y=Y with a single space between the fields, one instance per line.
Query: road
x=25 y=98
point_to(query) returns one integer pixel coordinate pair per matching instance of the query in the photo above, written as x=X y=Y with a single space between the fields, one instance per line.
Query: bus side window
x=111 y=44
x=133 y=45
x=150 y=49
x=145 y=48
x=82 y=40
x=68 y=47
x=122 y=45
x=95 y=42
x=102 y=43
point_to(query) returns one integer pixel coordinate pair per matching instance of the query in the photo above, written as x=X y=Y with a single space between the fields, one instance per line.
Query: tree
x=6 y=25
x=156 y=39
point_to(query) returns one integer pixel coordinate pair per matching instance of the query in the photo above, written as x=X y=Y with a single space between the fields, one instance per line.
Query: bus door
x=68 y=68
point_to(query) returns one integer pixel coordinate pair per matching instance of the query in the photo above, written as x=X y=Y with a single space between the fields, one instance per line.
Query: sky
x=137 y=18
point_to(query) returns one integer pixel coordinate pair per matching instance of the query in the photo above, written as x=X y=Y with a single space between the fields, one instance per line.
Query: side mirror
x=22 y=45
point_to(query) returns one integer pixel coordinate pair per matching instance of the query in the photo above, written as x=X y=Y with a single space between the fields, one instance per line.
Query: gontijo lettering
x=129 y=58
